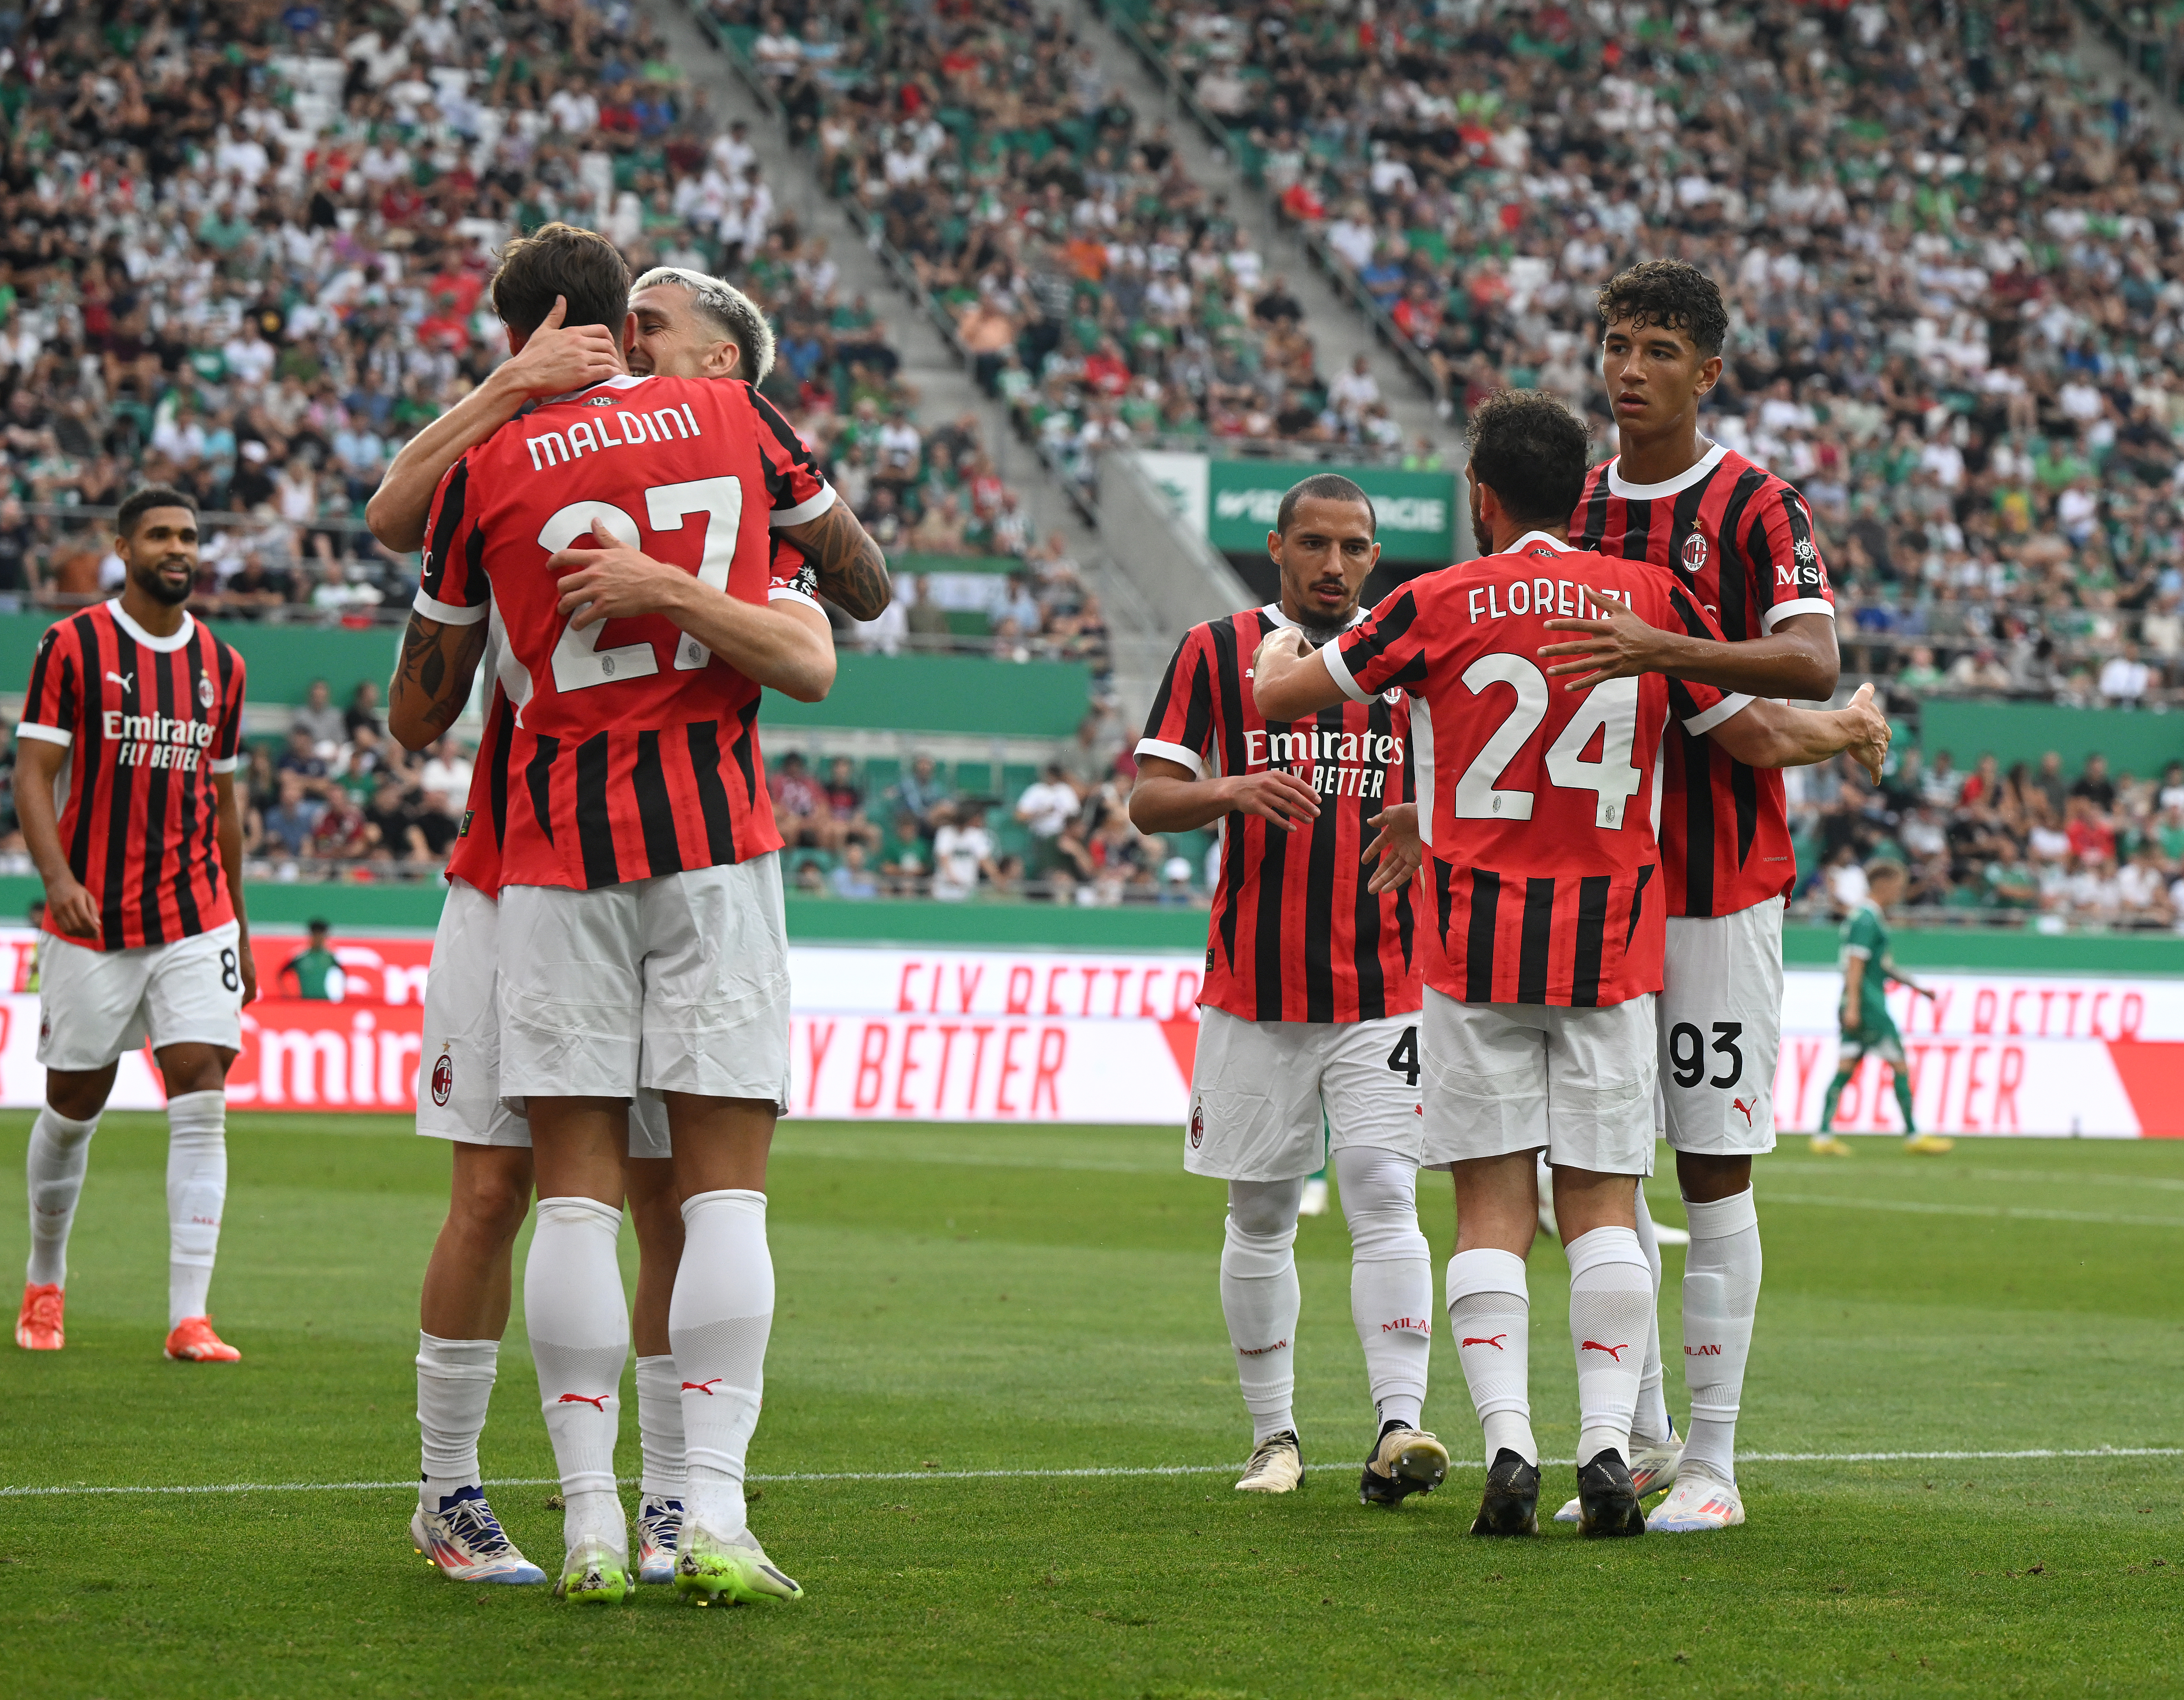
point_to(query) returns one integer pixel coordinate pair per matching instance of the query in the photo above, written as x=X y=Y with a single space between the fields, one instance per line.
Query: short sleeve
x=793 y=578
x=1699 y=708
x=1789 y=576
x=227 y=736
x=55 y=699
x=1180 y=727
x=452 y=587
x=1384 y=651
x=797 y=490
x=1860 y=937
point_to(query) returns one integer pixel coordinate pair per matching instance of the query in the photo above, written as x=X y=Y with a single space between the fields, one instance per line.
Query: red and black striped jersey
x=631 y=751
x=1740 y=540
x=1296 y=935
x=147 y=721
x=1537 y=803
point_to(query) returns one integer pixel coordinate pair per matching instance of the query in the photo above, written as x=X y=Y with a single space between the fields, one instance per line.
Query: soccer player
x=679 y=323
x=641 y=936
x=1868 y=1028
x=1539 y=1027
x=316 y=971
x=146 y=933
x=1310 y=998
x=1740 y=540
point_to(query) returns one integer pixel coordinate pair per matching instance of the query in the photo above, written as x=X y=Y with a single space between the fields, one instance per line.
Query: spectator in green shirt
x=317 y=972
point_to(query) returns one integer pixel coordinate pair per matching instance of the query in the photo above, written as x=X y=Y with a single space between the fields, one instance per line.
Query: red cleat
x=38 y=1327
x=193 y=1342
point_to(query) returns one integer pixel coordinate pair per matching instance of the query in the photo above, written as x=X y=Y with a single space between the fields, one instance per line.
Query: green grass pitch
x=1024 y=1301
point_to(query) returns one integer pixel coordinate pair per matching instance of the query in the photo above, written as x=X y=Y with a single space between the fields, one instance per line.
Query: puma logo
x=1614 y=1351
x=704 y=1387
x=127 y=682
x=1740 y=1104
x=1493 y=1340
x=598 y=1404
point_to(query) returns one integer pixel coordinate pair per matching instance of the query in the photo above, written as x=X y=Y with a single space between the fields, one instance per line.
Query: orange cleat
x=38 y=1328
x=193 y=1342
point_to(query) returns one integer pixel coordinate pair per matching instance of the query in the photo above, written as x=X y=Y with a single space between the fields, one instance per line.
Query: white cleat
x=1276 y=1467
x=659 y=1524
x=465 y=1540
x=1699 y=1502
x=1653 y=1467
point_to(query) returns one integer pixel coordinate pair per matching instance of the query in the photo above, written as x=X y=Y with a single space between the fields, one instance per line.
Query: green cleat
x=594 y=1575
x=709 y=1569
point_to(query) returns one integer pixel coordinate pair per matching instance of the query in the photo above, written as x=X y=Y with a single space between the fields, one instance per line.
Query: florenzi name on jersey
x=1561 y=597
x=637 y=428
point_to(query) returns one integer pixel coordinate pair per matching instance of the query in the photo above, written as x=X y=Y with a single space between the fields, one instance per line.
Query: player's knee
x=194 y=1068
x=491 y=1193
x=1265 y=1209
x=1705 y=1176
x=78 y=1094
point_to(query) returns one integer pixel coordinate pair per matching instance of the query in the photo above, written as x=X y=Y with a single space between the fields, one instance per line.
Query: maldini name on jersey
x=1296 y=935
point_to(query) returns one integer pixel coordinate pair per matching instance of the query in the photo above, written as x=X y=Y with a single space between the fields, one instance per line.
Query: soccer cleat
x=710 y=1569
x=1277 y=1466
x=193 y=1342
x=1314 y=1202
x=1929 y=1145
x=465 y=1541
x=1653 y=1467
x=594 y=1574
x=1606 y=1500
x=38 y=1323
x=1700 y=1501
x=1827 y=1145
x=1403 y=1461
x=659 y=1521
x=1511 y=1503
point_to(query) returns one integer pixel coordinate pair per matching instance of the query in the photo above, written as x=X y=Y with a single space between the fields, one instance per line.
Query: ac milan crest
x=1694 y=555
x=443 y=1079
x=1197 y=1126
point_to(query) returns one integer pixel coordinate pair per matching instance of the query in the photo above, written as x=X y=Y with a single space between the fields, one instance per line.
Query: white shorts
x=1507 y=1077
x=678 y=984
x=1721 y=1031
x=94 y=1005
x=459 y=1071
x=1262 y=1093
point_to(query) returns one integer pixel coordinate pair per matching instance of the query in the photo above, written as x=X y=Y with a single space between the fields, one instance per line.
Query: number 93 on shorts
x=94 y=1005
x=1721 y=1031
x=1269 y=1100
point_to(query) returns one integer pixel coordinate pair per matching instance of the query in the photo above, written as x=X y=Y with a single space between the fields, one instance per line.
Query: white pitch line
x=2011 y=1213
x=2034 y=1453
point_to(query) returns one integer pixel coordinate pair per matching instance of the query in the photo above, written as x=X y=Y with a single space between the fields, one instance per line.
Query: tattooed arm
x=853 y=573
x=432 y=679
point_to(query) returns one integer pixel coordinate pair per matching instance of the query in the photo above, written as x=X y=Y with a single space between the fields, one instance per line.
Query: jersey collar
x=165 y=645
x=1272 y=611
x=1518 y=548
x=621 y=381
x=1617 y=486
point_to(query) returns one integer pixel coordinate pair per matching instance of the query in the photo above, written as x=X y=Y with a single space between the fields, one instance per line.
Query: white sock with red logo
x=660 y=1426
x=1489 y=1316
x=1390 y=1277
x=579 y=1328
x=1611 y=1294
x=455 y=1386
x=1721 y=1299
x=60 y=1150
x=1650 y=1422
x=196 y=1192
x=1259 y=1299
x=718 y=1321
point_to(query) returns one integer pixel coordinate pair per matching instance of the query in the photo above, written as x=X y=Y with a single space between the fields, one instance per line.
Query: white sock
x=1390 y=1277
x=718 y=1320
x=1611 y=1293
x=1489 y=1314
x=1259 y=1299
x=455 y=1384
x=579 y=1327
x=1721 y=1297
x=197 y=1191
x=660 y=1426
x=1651 y=1421
x=60 y=1151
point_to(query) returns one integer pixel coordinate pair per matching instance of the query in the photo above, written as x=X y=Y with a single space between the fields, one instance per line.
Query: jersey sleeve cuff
x=804 y=511
x=1858 y=951
x=448 y=613
x=52 y=735
x=789 y=593
x=1339 y=670
x=1177 y=753
x=223 y=764
x=1729 y=707
x=1787 y=610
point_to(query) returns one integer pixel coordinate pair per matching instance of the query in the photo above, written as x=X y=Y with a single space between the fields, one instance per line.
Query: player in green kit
x=316 y=970
x=1868 y=1028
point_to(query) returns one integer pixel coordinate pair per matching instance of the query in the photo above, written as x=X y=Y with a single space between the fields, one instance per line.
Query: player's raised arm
x=852 y=572
x=1290 y=678
x=551 y=361
x=433 y=679
x=1765 y=733
x=1798 y=659
x=785 y=645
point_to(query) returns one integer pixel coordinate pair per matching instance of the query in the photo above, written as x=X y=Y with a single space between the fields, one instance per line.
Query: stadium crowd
x=1953 y=268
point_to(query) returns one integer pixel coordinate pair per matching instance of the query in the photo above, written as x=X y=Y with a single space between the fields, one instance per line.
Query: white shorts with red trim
x=94 y=1005
x=1500 y=1078
x=678 y=984
x=1721 y=1031
x=1270 y=1099
x=458 y=1070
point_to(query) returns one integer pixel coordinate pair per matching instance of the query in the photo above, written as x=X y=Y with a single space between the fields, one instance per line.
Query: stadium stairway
x=1140 y=644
